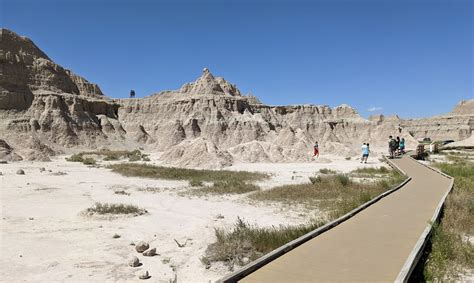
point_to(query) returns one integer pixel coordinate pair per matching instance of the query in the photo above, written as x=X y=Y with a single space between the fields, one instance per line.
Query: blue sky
x=414 y=58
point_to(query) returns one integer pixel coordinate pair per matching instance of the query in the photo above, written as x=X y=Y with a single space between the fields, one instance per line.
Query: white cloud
x=373 y=109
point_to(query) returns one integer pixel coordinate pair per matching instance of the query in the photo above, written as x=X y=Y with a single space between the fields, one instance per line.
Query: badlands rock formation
x=44 y=106
x=457 y=125
x=46 y=109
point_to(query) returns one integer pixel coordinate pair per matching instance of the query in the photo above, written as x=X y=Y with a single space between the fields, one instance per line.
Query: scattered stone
x=1 y=173
x=166 y=260
x=116 y=236
x=245 y=260
x=3 y=162
x=134 y=262
x=20 y=172
x=150 y=252
x=31 y=218
x=220 y=216
x=141 y=246
x=144 y=275
x=132 y=244
x=181 y=245
x=42 y=169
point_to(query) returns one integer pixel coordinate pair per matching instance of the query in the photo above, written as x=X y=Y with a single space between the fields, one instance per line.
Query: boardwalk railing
x=417 y=250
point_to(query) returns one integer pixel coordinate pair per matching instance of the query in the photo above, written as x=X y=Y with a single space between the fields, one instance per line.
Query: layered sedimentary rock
x=43 y=103
x=46 y=109
x=200 y=118
x=457 y=125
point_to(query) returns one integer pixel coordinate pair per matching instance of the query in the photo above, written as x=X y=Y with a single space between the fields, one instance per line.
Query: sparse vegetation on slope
x=452 y=250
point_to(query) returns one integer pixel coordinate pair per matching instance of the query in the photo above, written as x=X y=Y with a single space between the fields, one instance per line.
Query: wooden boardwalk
x=378 y=244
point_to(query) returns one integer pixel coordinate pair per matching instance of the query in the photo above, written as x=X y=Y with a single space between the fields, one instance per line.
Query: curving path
x=377 y=244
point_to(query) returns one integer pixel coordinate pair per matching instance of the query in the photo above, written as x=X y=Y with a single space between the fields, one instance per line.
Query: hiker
x=401 y=147
x=316 y=149
x=397 y=146
x=392 y=145
x=132 y=94
x=365 y=152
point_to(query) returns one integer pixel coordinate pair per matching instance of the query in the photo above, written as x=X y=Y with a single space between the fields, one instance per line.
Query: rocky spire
x=208 y=84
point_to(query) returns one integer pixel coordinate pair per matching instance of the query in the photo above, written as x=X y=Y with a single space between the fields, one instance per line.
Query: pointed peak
x=207 y=74
x=208 y=84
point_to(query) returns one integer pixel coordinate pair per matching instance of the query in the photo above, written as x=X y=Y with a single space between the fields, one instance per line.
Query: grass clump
x=75 y=158
x=327 y=171
x=112 y=208
x=89 y=161
x=228 y=187
x=80 y=158
x=316 y=179
x=343 y=179
x=251 y=242
x=195 y=183
x=110 y=155
x=192 y=175
x=451 y=251
x=372 y=170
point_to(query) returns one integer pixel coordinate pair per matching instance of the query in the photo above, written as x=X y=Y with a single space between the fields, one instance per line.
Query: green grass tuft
x=228 y=187
x=173 y=173
x=372 y=171
x=327 y=171
x=89 y=161
x=75 y=158
x=251 y=242
x=112 y=208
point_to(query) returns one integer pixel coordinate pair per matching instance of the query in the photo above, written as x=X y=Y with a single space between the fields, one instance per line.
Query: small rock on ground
x=144 y=275
x=150 y=252
x=134 y=262
x=141 y=246
x=20 y=172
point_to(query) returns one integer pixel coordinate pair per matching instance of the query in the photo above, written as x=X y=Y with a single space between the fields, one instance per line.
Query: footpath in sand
x=371 y=246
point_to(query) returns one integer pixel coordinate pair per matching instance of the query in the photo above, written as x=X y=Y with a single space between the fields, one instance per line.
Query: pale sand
x=60 y=244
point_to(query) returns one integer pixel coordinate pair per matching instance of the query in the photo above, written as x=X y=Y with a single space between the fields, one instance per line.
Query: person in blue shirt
x=365 y=152
x=401 y=146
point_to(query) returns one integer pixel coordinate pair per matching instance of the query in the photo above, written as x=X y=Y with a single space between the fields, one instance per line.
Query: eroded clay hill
x=46 y=109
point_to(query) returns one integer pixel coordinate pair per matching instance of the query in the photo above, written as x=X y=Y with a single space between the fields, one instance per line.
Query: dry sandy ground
x=44 y=237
